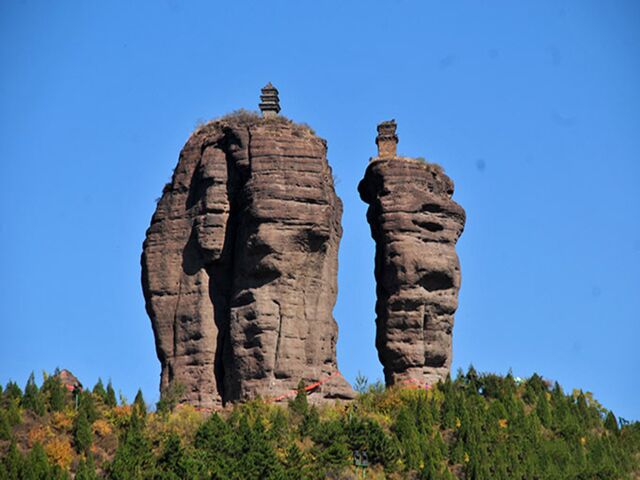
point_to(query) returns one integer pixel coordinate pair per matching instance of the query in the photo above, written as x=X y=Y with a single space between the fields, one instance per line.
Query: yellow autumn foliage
x=37 y=435
x=185 y=421
x=59 y=451
x=61 y=421
x=119 y=416
x=102 y=428
x=393 y=398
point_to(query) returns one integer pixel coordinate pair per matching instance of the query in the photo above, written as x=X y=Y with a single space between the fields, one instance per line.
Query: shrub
x=102 y=428
x=62 y=421
x=169 y=398
x=243 y=115
x=59 y=451
x=185 y=421
x=37 y=434
x=361 y=384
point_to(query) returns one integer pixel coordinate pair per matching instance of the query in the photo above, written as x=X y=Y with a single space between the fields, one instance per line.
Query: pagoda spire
x=387 y=140
x=269 y=101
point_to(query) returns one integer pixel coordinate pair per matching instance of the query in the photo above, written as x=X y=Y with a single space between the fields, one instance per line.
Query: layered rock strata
x=415 y=225
x=240 y=264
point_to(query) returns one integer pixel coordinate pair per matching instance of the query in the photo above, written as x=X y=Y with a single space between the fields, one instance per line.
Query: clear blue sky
x=533 y=108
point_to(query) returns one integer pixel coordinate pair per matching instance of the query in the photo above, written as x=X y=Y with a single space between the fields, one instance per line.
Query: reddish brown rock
x=415 y=225
x=240 y=263
x=68 y=380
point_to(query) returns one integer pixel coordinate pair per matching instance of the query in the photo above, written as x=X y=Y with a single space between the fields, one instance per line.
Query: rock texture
x=239 y=264
x=415 y=225
x=68 y=379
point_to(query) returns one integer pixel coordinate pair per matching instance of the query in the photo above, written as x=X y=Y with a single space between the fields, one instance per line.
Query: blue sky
x=533 y=109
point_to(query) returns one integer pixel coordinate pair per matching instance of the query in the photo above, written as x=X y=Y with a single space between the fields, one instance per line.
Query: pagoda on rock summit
x=269 y=101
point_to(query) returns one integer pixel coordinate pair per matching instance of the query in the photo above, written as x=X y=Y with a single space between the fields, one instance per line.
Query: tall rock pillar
x=415 y=225
x=239 y=266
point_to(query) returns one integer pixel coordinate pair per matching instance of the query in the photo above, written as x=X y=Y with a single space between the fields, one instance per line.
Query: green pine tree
x=170 y=397
x=543 y=410
x=218 y=445
x=139 y=404
x=171 y=464
x=87 y=404
x=611 y=423
x=32 y=398
x=37 y=464
x=100 y=392
x=299 y=404
x=310 y=420
x=110 y=398
x=133 y=459
x=6 y=430
x=54 y=393
x=295 y=464
x=12 y=392
x=86 y=469
x=279 y=430
x=82 y=432
x=259 y=458
x=409 y=438
x=13 y=463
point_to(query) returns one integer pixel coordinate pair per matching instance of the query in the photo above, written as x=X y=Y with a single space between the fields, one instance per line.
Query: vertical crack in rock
x=415 y=225
x=239 y=265
x=249 y=146
x=175 y=321
x=276 y=357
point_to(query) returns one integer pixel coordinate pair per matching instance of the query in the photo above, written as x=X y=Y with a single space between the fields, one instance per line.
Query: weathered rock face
x=240 y=264
x=415 y=225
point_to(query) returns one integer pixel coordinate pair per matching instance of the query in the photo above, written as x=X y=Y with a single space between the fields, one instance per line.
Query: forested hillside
x=474 y=427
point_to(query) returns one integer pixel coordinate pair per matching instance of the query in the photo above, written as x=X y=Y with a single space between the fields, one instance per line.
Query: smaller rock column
x=415 y=225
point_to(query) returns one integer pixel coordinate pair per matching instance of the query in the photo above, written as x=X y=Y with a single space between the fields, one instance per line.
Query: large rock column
x=240 y=262
x=415 y=225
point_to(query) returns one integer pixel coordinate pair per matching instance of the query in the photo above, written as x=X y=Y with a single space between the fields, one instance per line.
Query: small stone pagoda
x=387 y=140
x=269 y=101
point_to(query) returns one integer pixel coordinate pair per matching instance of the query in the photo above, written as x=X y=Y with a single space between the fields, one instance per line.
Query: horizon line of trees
x=473 y=427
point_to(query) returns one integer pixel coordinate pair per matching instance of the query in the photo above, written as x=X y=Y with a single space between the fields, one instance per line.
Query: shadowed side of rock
x=240 y=264
x=415 y=225
x=185 y=244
